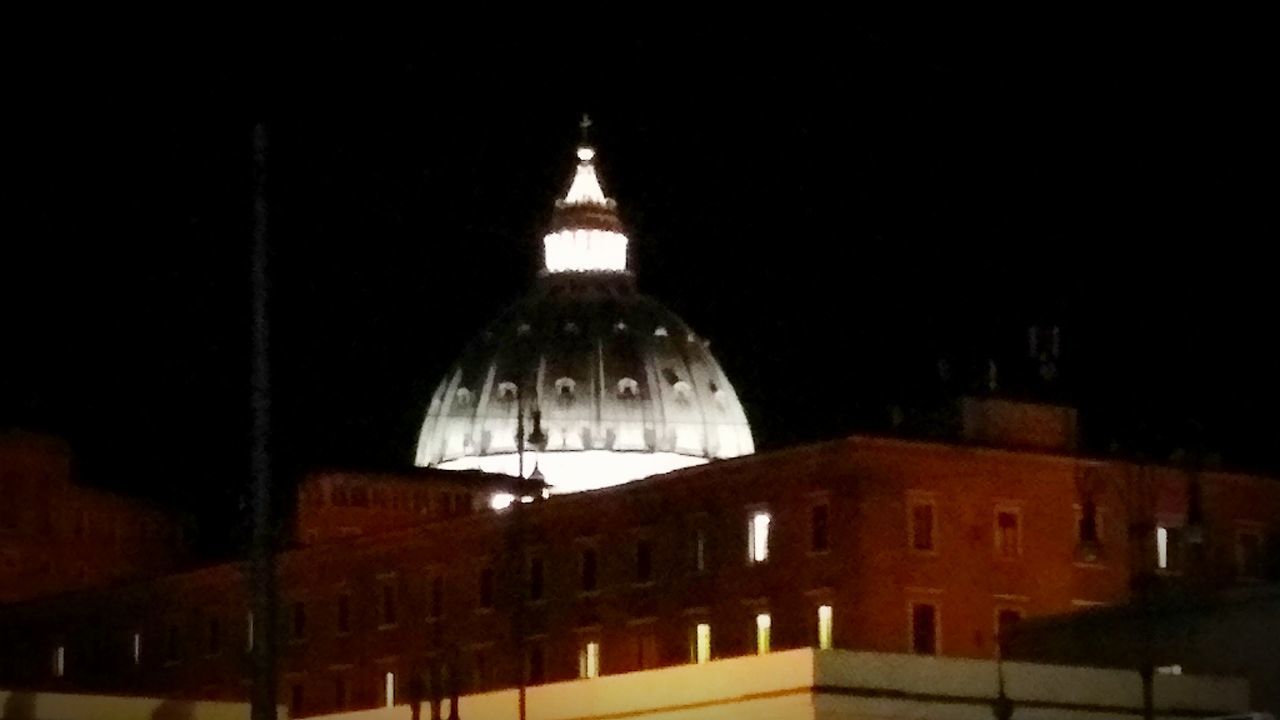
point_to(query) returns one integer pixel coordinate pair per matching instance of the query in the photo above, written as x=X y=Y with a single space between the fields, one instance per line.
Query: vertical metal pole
x=262 y=579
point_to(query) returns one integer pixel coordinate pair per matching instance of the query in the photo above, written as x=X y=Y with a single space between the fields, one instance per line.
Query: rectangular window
x=644 y=561
x=924 y=629
x=700 y=550
x=536 y=579
x=295 y=701
x=435 y=605
x=1168 y=548
x=339 y=693
x=819 y=528
x=1008 y=534
x=213 y=644
x=764 y=627
x=1007 y=620
x=825 y=627
x=701 y=650
x=137 y=648
x=60 y=661
x=589 y=570
x=344 y=614
x=589 y=660
x=389 y=689
x=1249 y=553
x=248 y=635
x=299 y=625
x=646 y=649
x=480 y=669
x=389 y=610
x=486 y=588
x=535 y=663
x=922 y=530
x=758 y=536
x=173 y=644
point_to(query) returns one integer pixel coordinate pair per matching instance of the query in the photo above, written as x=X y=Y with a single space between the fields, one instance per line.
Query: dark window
x=819 y=526
x=344 y=613
x=295 y=701
x=535 y=578
x=1249 y=554
x=536 y=664
x=437 y=596
x=388 y=605
x=589 y=570
x=339 y=694
x=1006 y=625
x=299 y=620
x=480 y=668
x=924 y=630
x=644 y=561
x=646 y=649
x=215 y=636
x=1007 y=540
x=700 y=550
x=922 y=526
x=486 y=588
x=173 y=644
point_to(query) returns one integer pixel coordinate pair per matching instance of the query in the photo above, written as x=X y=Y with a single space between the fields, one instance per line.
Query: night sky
x=834 y=208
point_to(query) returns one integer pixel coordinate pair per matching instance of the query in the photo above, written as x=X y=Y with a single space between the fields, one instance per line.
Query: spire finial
x=585 y=126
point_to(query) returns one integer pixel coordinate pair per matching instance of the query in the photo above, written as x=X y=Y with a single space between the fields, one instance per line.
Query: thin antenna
x=262 y=585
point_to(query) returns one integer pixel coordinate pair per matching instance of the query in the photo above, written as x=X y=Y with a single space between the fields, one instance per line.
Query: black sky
x=833 y=207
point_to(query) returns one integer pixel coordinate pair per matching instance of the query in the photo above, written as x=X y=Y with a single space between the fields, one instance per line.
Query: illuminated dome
x=619 y=386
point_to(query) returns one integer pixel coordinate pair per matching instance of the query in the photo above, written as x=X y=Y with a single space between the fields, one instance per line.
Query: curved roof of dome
x=609 y=369
x=594 y=364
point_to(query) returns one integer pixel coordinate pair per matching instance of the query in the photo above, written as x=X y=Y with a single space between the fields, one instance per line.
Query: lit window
x=825 y=627
x=564 y=389
x=507 y=391
x=628 y=389
x=1007 y=535
x=137 y=648
x=660 y=331
x=463 y=397
x=758 y=536
x=683 y=391
x=1169 y=670
x=60 y=661
x=764 y=625
x=1168 y=547
x=589 y=660
x=924 y=629
x=389 y=691
x=819 y=528
x=701 y=643
x=922 y=531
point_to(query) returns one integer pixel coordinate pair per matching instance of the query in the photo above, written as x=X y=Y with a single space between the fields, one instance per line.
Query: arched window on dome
x=628 y=389
x=564 y=389
x=462 y=398
x=660 y=331
x=684 y=392
x=507 y=391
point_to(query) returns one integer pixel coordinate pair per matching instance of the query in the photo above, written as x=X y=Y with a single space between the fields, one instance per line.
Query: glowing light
x=764 y=625
x=1162 y=548
x=589 y=660
x=585 y=189
x=60 y=661
x=574 y=471
x=501 y=501
x=824 y=627
x=758 y=545
x=391 y=689
x=584 y=250
x=702 y=643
